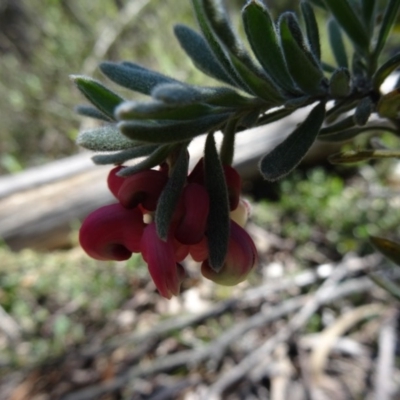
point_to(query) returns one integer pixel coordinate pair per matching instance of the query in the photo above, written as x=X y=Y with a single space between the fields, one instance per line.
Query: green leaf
x=337 y=44
x=157 y=157
x=345 y=123
x=274 y=116
x=384 y=71
x=170 y=131
x=124 y=155
x=363 y=111
x=302 y=65
x=197 y=48
x=91 y=112
x=104 y=138
x=340 y=83
x=348 y=20
x=100 y=96
x=171 y=193
x=351 y=156
x=389 y=105
x=179 y=95
x=218 y=222
x=369 y=14
x=388 y=21
x=388 y=248
x=159 y=110
x=262 y=36
x=353 y=132
x=288 y=154
x=215 y=45
x=311 y=28
x=134 y=77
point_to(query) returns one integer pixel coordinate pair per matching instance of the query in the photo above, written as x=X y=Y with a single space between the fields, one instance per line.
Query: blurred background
x=70 y=324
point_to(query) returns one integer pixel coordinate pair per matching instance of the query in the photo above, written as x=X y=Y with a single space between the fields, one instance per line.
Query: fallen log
x=40 y=206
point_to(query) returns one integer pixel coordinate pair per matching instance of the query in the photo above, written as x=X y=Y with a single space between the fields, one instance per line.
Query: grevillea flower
x=240 y=260
x=167 y=274
x=116 y=231
x=112 y=233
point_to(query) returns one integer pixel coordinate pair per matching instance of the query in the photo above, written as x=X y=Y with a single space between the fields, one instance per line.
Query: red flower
x=112 y=233
x=160 y=258
x=240 y=260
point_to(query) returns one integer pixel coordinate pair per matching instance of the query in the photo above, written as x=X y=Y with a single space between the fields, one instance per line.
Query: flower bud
x=240 y=260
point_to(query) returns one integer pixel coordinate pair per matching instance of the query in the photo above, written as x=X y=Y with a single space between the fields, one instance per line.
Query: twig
x=386 y=359
x=327 y=293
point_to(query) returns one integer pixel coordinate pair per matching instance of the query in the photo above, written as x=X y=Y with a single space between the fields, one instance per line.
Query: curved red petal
x=160 y=258
x=196 y=203
x=114 y=182
x=111 y=233
x=143 y=188
x=199 y=251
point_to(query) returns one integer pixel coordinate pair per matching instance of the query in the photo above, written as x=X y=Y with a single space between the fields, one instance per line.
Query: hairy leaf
x=262 y=36
x=124 y=155
x=311 y=28
x=288 y=154
x=170 y=131
x=363 y=111
x=218 y=217
x=337 y=44
x=347 y=18
x=104 y=138
x=171 y=193
x=197 y=48
x=100 y=96
x=91 y=112
x=134 y=77
x=301 y=63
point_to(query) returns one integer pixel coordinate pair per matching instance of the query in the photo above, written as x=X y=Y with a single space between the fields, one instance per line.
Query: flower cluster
x=115 y=231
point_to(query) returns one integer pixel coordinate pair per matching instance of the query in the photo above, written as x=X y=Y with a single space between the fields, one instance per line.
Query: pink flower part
x=143 y=188
x=199 y=251
x=160 y=257
x=114 y=182
x=240 y=260
x=191 y=228
x=112 y=233
x=232 y=178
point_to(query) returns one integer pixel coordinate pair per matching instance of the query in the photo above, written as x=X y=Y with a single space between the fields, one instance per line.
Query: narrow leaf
x=157 y=157
x=387 y=285
x=171 y=193
x=91 y=112
x=159 y=110
x=388 y=248
x=311 y=28
x=288 y=154
x=351 y=156
x=274 y=116
x=262 y=36
x=345 y=123
x=369 y=13
x=215 y=45
x=340 y=83
x=134 y=78
x=363 y=111
x=170 y=131
x=258 y=82
x=104 y=138
x=301 y=63
x=347 y=18
x=388 y=21
x=197 y=48
x=348 y=134
x=124 y=155
x=100 y=96
x=337 y=44
x=385 y=70
x=218 y=217
x=389 y=105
